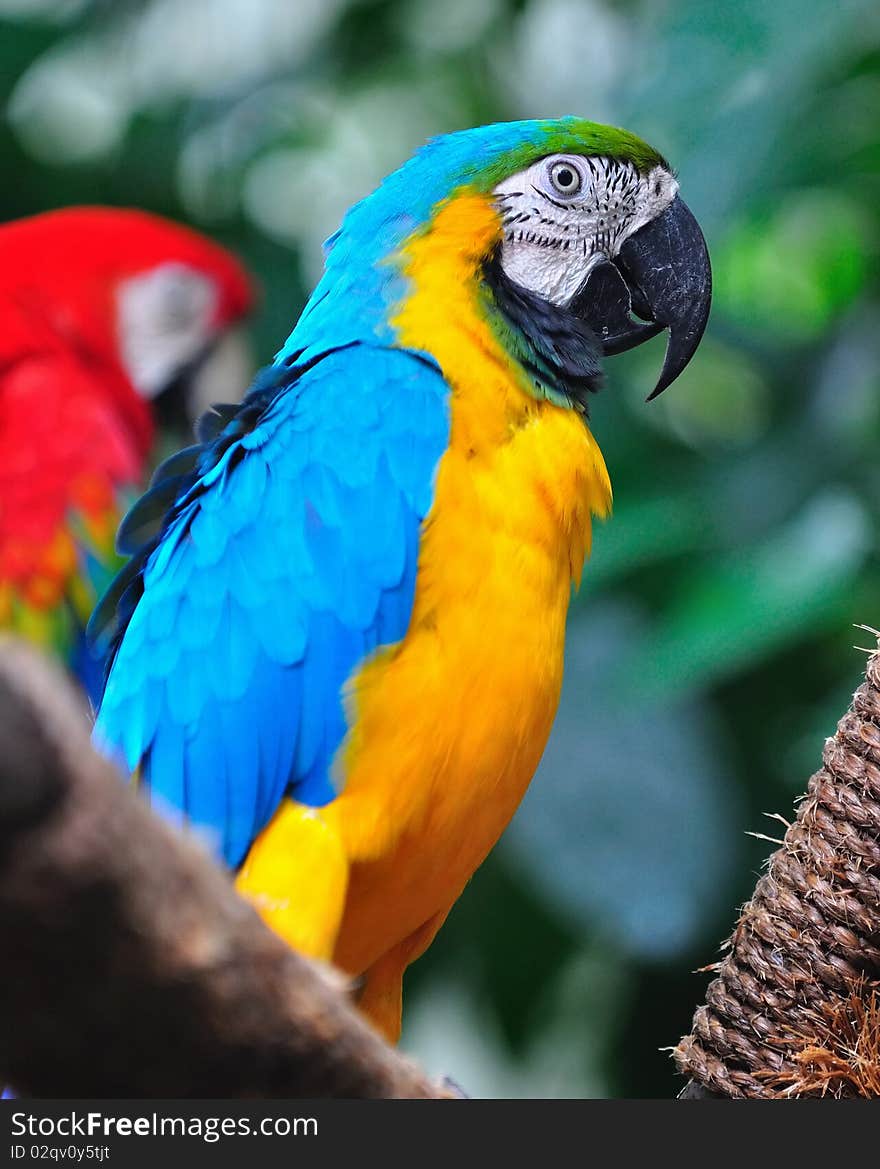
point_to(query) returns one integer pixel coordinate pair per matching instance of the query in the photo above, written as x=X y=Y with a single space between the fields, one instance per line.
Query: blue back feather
x=291 y=556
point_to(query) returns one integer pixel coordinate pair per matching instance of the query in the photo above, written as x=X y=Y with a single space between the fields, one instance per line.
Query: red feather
x=75 y=435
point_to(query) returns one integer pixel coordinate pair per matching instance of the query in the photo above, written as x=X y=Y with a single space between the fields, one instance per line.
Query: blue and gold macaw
x=338 y=644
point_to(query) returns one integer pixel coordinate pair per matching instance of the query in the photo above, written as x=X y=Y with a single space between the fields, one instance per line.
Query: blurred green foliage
x=709 y=650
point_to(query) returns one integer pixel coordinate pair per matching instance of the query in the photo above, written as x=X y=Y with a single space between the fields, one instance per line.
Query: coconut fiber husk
x=794 y=1009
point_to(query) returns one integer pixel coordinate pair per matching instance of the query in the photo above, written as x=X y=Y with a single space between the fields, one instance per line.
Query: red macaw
x=103 y=315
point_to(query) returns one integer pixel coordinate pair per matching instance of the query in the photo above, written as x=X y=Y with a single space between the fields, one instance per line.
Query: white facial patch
x=164 y=318
x=566 y=213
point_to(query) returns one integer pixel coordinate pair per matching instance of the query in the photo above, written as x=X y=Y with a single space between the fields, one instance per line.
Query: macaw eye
x=565 y=178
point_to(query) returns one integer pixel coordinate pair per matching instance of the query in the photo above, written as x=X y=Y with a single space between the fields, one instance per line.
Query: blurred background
x=710 y=649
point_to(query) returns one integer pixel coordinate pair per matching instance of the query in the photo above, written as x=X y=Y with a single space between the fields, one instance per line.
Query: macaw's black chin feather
x=662 y=274
x=556 y=347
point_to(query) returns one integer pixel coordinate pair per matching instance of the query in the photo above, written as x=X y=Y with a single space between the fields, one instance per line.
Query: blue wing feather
x=288 y=557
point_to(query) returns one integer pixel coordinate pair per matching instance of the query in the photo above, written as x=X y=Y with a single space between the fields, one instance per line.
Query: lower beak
x=662 y=274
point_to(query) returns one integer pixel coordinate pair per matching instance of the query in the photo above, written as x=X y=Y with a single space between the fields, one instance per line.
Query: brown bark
x=793 y=1009
x=129 y=966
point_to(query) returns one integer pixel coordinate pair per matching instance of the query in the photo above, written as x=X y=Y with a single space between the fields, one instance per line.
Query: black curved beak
x=661 y=274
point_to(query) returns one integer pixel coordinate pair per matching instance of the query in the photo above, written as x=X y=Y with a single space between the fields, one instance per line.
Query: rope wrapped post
x=129 y=966
x=794 y=1009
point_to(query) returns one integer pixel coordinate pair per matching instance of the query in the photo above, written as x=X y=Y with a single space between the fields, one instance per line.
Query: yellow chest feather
x=449 y=725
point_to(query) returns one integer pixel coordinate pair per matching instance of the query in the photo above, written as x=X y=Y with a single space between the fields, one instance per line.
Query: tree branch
x=129 y=966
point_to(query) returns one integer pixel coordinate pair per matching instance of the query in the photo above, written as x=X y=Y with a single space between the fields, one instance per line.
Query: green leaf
x=791 y=274
x=643 y=530
x=630 y=825
x=749 y=604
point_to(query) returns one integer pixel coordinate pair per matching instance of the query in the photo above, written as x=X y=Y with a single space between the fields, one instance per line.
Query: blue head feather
x=361 y=287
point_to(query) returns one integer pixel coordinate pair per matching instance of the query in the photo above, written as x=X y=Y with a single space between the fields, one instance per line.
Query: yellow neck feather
x=494 y=417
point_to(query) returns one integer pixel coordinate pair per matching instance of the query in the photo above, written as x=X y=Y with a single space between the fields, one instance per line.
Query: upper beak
x=662 y=273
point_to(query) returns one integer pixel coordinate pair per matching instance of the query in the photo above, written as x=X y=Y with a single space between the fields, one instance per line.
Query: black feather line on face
x=558 y=350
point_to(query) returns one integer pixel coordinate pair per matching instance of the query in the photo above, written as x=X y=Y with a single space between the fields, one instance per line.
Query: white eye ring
x=565 y=178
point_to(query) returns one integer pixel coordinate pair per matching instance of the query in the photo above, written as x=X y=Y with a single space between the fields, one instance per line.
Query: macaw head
x=176 y=295
x=597 y=229
x=135 y=292
x=574 y=232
